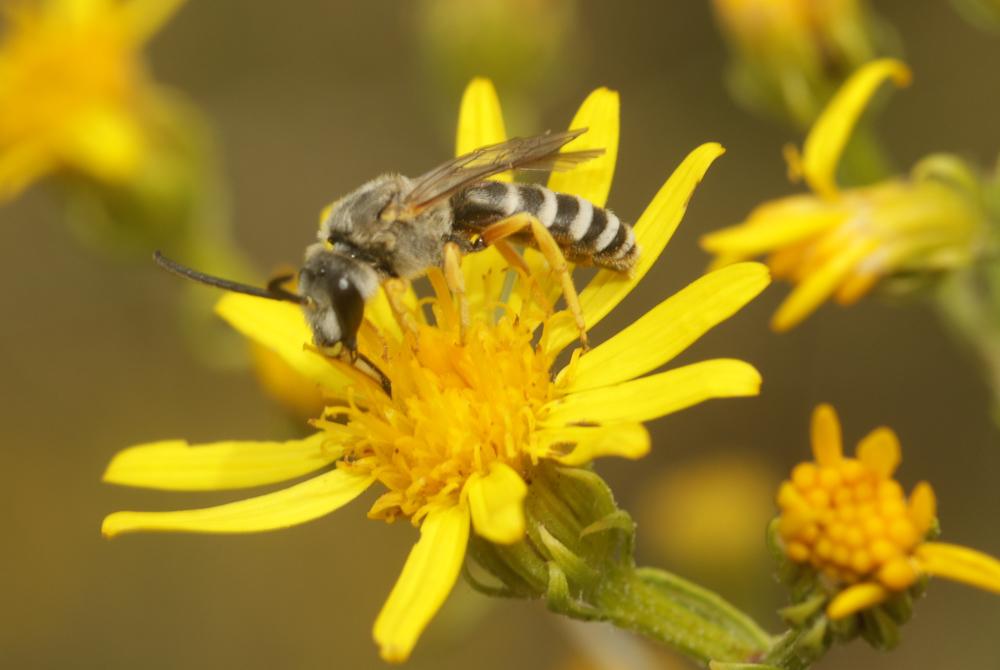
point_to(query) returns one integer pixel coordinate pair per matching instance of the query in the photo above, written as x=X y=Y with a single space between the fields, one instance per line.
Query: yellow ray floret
x=476 y=403
x=850 y=521
x=829 y=135
x=175 y=465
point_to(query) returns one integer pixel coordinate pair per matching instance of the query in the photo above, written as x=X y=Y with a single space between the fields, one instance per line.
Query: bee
x=396 y=227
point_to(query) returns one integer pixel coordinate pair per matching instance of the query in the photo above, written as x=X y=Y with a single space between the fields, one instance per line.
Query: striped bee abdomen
x=586 y=233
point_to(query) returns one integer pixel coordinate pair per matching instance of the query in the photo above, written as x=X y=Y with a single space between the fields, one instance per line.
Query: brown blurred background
x=309 y=99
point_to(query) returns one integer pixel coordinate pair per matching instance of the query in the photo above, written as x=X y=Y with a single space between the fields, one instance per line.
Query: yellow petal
x=146 y=17
x=175 y=465
x=669 y=328
x=592 y=180
x=428 y=576
x=856 y=598
x=856 y=286
x=106 y=144
x=819 y=286
x=297 y=395
x=485 y=275
x=297 y=504
x=827 y=444
x=496 y=502
x=480 y=123
x=74 y=13
x=21 y=166
x=880 y=451
x=923 y=507
x=480 y=119
x=653 y=230
x=960 y=564
x=585 y=443
x=825 y=142
x=656 y=395
x=282 y=328
x=772 y=226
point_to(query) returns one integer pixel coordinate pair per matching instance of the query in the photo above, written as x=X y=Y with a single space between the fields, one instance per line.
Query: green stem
x=694 y=621
x=799 y=648
x=577 y=555
x=969 y=303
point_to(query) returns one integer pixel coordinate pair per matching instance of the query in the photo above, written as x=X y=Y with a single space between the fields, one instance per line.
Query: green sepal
x=577 y=555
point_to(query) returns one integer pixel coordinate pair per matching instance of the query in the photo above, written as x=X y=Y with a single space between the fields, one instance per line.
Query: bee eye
x=349 y=307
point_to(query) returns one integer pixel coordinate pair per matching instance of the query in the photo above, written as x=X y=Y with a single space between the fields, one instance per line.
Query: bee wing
x=540 y=152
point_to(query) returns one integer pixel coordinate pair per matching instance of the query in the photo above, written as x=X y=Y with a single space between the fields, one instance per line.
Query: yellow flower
x=790 y=55
x=851 y=521
x=840 y=243
x=473 y=407
x=74 y=91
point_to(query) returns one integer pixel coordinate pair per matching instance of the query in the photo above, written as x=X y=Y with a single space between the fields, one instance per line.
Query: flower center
x=462 y=399
x=848 y=522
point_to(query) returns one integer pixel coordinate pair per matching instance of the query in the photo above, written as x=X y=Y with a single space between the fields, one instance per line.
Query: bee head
x=336 y=288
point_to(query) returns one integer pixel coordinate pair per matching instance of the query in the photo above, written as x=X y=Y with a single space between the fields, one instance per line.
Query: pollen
x=463 y=399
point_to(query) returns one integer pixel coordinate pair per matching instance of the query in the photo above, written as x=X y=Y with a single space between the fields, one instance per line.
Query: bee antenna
x=274 y=290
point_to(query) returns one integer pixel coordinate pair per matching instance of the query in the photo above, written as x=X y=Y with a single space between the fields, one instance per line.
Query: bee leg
x=516 y=261
x=553 y=254
x=456 y=282
x=395 y=290
x=467 y=241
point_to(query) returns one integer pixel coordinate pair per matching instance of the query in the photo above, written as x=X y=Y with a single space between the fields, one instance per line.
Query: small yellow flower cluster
x=850 y=521
x=847 y=517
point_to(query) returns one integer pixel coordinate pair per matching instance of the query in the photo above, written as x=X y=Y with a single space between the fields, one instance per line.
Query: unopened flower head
x=842 y=242
x=476 y=401
x=74 y=91
x=850 y=521
x=789 y=56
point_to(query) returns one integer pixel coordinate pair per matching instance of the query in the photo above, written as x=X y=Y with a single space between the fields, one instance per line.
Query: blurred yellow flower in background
x=74 y=91
x=789 y=56
x=474 y=406
x=708 y=513
x=841 y=242
x=849 y=519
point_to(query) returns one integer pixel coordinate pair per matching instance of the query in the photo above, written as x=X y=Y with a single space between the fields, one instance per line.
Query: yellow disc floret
x=463 y=399
x=847 y=517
